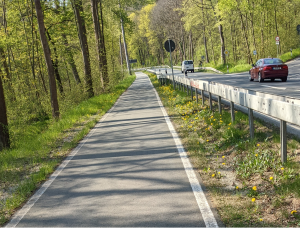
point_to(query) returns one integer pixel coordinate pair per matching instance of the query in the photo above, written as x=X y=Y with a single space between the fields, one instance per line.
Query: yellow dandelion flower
x=271 y=178
x=207 y=140
x=223 y=163
x=253 y=200
x=282 y=168
x=223 y=156
x=260 y=220
x=219 y=172
x=213 y=175
x=228 y=128
x=181 y=126
x=293 y=211
x=195 y=130
x=256 y=155
x=254 y=188
x=258 y=144
x=211 y=124
x=237 y=187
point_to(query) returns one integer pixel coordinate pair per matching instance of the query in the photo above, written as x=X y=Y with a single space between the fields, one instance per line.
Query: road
x=128 y=172
x=291 y=88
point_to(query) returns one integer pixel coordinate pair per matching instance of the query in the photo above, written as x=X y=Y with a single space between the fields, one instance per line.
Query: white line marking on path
x=203 y=205
x=18 y=216
x=231 y=80
x=273 y=87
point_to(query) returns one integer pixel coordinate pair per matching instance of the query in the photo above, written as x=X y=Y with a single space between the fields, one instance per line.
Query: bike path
x=126 y=173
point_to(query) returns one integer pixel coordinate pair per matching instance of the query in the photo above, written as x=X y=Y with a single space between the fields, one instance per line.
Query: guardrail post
x=210 y=100
x=192 y=93
x=187 y=90
x=232 y=111
x=196 y=93
x=202 y=96
x=283 y=141
x=220 y=104
x=251 y=123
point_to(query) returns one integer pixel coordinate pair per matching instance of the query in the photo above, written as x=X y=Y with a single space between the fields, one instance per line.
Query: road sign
x=167 y=46
x=277 y=38
x=277 y=42
x=226 y=52
x=132 y=60
x=298 y=27
x=254 y=52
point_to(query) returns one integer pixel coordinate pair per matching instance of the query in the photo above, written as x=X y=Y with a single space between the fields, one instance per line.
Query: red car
x=268 y=68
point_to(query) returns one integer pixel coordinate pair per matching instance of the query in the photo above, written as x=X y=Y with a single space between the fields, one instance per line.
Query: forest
x=203 y=29
x=55 y=54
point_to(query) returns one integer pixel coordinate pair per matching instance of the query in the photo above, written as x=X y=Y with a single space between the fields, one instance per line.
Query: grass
x=249 y=185
x=287 y=56
x=37 y=149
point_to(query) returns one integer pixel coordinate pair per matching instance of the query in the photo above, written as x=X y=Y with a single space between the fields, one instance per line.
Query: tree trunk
x=221 y=35
x=6 y=68
x=245 y=36
x=4 y=134
x=77 y=7
x=102 y=46
x=204 y=37
x=100 y=41
x=55 y=65
x=52 y=83
x=70 y=58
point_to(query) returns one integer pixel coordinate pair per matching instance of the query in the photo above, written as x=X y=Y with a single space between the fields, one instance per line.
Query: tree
x=99 y=34
x=4 y=134
x=47 y=54
x=78 y=10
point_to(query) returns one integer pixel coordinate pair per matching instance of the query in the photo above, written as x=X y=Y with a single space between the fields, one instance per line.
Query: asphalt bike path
x=127 y=172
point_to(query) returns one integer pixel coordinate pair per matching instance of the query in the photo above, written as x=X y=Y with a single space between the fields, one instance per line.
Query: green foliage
x=247 y=25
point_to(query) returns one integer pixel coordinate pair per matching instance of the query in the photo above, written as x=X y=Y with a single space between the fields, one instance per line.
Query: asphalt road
x=291 y=88
x=126 y=173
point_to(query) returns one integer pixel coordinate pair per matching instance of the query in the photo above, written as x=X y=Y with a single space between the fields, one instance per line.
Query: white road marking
x=203 y=205
x=231 y=80
x=17 y=217
x=273 y=87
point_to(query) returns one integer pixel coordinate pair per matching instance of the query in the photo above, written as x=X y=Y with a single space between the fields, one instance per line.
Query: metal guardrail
x=285 y=111
x=204 y=68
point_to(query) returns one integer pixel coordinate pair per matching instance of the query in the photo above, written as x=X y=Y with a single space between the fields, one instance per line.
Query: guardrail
x=204 y=68
x=282 y=110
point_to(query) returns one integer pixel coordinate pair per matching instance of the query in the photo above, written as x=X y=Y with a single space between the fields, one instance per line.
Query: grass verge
x=39 y=148
x=247 y=182
x=236 y=68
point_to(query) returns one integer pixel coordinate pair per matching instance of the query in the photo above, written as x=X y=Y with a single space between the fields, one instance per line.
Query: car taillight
x=267 y=68
x=285 y=67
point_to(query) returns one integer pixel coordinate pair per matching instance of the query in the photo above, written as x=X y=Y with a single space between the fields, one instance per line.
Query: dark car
x=268 y=68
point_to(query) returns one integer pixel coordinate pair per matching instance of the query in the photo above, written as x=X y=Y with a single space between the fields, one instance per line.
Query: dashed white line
x=274 y=87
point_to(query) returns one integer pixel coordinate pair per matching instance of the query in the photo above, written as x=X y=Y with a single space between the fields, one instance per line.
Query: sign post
x=132 y=61
x=291 y=52
x=255 y=54
x=277 y=43
x=170 y=47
